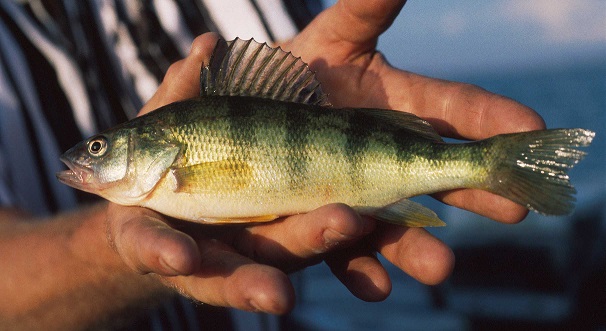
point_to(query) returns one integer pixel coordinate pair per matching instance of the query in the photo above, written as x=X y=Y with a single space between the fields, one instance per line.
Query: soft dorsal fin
x=407 y=121
x=248 y=68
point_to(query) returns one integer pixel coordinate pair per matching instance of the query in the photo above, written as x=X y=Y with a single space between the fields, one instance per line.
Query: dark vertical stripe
x=359 y=129
x=298 y=129
x=85 y=53
x=241 y=117
x=155 y=44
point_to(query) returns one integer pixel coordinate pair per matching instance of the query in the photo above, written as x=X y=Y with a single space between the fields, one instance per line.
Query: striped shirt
x=69 y=69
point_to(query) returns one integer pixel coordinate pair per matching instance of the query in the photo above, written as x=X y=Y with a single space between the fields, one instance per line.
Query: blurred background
x=547 y=273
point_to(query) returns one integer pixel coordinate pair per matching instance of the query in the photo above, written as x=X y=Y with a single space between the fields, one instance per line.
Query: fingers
x=301 y=240
x=459 y=110
x=486 y=204
x=205 y=270
x=360 y=21
x=344 y=31
x=226 y=278
x=416 y=252
x=361 y=272
x=355 y=75
x=334 y=233
x=182 y=80
x=147 y=244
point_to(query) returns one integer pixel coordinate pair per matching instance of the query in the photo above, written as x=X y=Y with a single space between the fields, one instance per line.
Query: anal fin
x=227 y=220
x=408 y=213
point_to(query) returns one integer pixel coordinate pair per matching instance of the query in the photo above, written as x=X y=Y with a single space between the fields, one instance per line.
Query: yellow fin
x=408 y=213
x=214 y=176
x=254 y=219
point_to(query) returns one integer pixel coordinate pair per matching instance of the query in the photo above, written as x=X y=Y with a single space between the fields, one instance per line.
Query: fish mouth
x=76 y=176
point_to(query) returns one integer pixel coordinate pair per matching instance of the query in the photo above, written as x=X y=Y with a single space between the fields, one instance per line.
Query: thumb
x=350 y=26
x=362 y=21
x=182 y=80
x=146 y=243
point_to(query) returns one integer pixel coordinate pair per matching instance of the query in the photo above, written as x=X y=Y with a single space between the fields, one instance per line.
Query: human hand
x=354 y=74
x=244 y=266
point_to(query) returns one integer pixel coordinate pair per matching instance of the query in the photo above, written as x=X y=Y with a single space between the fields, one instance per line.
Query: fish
x=262 y=141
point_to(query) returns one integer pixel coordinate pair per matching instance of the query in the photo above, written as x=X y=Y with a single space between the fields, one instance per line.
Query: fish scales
x=302 y=155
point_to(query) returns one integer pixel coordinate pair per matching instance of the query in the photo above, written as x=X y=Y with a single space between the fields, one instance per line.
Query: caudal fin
x=530 y=168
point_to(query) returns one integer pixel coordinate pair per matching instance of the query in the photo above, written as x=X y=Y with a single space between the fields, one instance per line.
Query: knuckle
x=339 y=212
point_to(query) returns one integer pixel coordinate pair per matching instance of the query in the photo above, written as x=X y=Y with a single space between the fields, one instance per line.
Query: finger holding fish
x=203 y=269
x=182 y=80
x=359 y=269
x=146 y=242
x=413 y=250
x=300 y=240
x=226 y=278
x=416 y=252
x=241 y=268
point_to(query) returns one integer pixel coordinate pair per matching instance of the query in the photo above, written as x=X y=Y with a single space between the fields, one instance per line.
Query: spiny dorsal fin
x=248 y=68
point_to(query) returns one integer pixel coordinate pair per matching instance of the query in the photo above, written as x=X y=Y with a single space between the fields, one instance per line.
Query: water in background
x=545 y=273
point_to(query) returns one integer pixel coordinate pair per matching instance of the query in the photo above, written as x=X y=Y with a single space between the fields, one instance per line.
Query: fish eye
x=97 y=146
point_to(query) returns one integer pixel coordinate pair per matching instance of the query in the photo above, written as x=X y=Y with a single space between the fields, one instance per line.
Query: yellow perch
x=262 y=142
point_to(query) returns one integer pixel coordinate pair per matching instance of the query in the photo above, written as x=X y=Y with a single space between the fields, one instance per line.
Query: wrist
x=62 y=270
x=90 y=247
x=87 y=240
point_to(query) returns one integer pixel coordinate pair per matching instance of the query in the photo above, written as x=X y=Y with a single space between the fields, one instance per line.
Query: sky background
x=447 y=38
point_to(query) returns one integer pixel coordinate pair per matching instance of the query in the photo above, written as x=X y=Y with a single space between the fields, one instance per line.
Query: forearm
x=62 y=274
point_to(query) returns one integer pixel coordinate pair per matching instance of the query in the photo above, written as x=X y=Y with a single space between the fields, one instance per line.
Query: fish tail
x=530 y=168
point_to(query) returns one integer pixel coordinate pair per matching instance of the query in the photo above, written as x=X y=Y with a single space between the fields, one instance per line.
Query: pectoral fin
x=213 y=176
x=408 y=213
